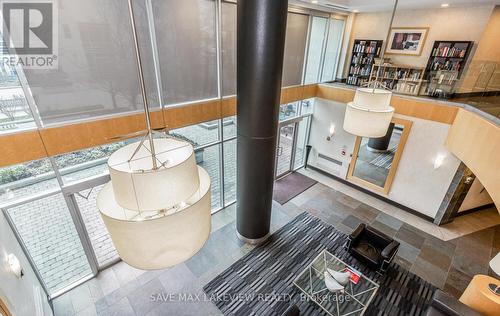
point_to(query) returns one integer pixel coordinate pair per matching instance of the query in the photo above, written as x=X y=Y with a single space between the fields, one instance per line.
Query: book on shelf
x=446 y=51
x=445 y=66
x=363 y=56
x=399 y=78
x=357 y=81
x=368 y=47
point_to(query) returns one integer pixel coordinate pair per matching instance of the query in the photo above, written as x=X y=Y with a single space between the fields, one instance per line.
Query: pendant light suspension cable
x=142 y=85
x=387 y=43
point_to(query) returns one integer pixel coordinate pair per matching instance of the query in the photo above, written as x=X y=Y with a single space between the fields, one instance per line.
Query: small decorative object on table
x=341 y=277
x=321 y=287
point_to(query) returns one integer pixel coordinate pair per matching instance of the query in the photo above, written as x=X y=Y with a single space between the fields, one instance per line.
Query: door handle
x=280 y=151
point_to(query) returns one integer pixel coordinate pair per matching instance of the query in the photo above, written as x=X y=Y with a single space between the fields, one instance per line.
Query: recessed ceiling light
x=355 y=11
x=314 y=1
x=445 y=5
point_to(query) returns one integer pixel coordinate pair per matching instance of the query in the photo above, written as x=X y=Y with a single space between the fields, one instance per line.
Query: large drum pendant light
x=370 y=113
x=157 y=205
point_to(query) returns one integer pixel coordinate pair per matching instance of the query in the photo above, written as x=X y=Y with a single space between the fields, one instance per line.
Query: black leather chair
x=443 y=304
x=372 y=247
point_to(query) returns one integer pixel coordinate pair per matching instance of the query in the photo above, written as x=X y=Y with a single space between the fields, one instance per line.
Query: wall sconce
x=15 y=265
x=439 y=161
x=331 y=132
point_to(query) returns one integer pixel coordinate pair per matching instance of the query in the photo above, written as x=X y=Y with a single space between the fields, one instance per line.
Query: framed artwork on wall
x=406 y=40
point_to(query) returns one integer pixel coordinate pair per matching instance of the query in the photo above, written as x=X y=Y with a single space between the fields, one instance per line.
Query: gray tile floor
x=123 y=290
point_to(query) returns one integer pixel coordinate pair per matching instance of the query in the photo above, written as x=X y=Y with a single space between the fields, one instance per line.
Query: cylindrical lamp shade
x=372 y=98
x=156 y=240
x=367 y=123
x=138 y=187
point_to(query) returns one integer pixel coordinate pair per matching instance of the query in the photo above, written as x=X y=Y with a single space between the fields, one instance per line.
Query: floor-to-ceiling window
x=317 y=40
x=332 y=49
x=325 y=42
x=295 y=47
x=189 y=54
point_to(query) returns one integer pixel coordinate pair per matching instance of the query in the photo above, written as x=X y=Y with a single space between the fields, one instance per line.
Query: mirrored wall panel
x=375 y=160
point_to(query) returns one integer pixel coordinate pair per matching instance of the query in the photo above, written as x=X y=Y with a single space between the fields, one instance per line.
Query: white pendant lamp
x=370 y=113
x=157 y=205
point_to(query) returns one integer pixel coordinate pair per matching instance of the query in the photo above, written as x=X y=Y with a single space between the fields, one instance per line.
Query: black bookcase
x=363 y=56
x=445 y=66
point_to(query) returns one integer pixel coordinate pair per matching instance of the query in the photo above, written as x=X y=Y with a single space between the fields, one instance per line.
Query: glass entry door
x=285 y=150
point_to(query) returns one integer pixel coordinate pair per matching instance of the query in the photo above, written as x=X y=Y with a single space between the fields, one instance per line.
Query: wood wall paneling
x=21 y=147
x=193 y=113
x=424 y=109
x=28 y=145
x=335 y=93
x=228 y=106
x=291 y=94
x=309 y=91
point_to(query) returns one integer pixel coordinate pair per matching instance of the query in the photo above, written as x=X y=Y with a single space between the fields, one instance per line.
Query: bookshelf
x=400 y=78
x=445 y=66
x=363 y=56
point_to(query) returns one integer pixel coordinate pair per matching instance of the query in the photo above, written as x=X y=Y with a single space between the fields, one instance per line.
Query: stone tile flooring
x=461 y=226
x=123 y=290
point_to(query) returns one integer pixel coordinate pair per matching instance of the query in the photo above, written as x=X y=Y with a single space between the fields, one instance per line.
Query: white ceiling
x=384 y=5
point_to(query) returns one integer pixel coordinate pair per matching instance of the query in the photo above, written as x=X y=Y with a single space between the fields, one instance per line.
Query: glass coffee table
x=355 y=298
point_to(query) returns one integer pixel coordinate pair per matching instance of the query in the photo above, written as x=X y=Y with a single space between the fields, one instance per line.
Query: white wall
x=325 y=113
x=23 y=296
x=461 y=23
x=416 y=184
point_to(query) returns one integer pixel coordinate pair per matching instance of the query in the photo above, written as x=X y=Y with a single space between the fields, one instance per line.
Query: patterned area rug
x=271 y=268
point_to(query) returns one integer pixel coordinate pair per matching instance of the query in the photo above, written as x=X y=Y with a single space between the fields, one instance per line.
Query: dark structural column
x=261 y=27
x=381 y=144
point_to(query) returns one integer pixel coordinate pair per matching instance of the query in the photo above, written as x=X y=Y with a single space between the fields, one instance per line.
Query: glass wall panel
x=15 y=113
x=198 y=135
x=288 y=110
x=98 y=234
x=306 y=106
x=332 y=52
x=300 y=147
x=186 y=41
x=26 y=179
x=316 y=40
x=97 y=72
x=228 y=48
x=230 y=171
x=295 y=46
x=47 y=230
x=86 y=163
x=209 y=158
x=229 y=125
x=284 y=150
